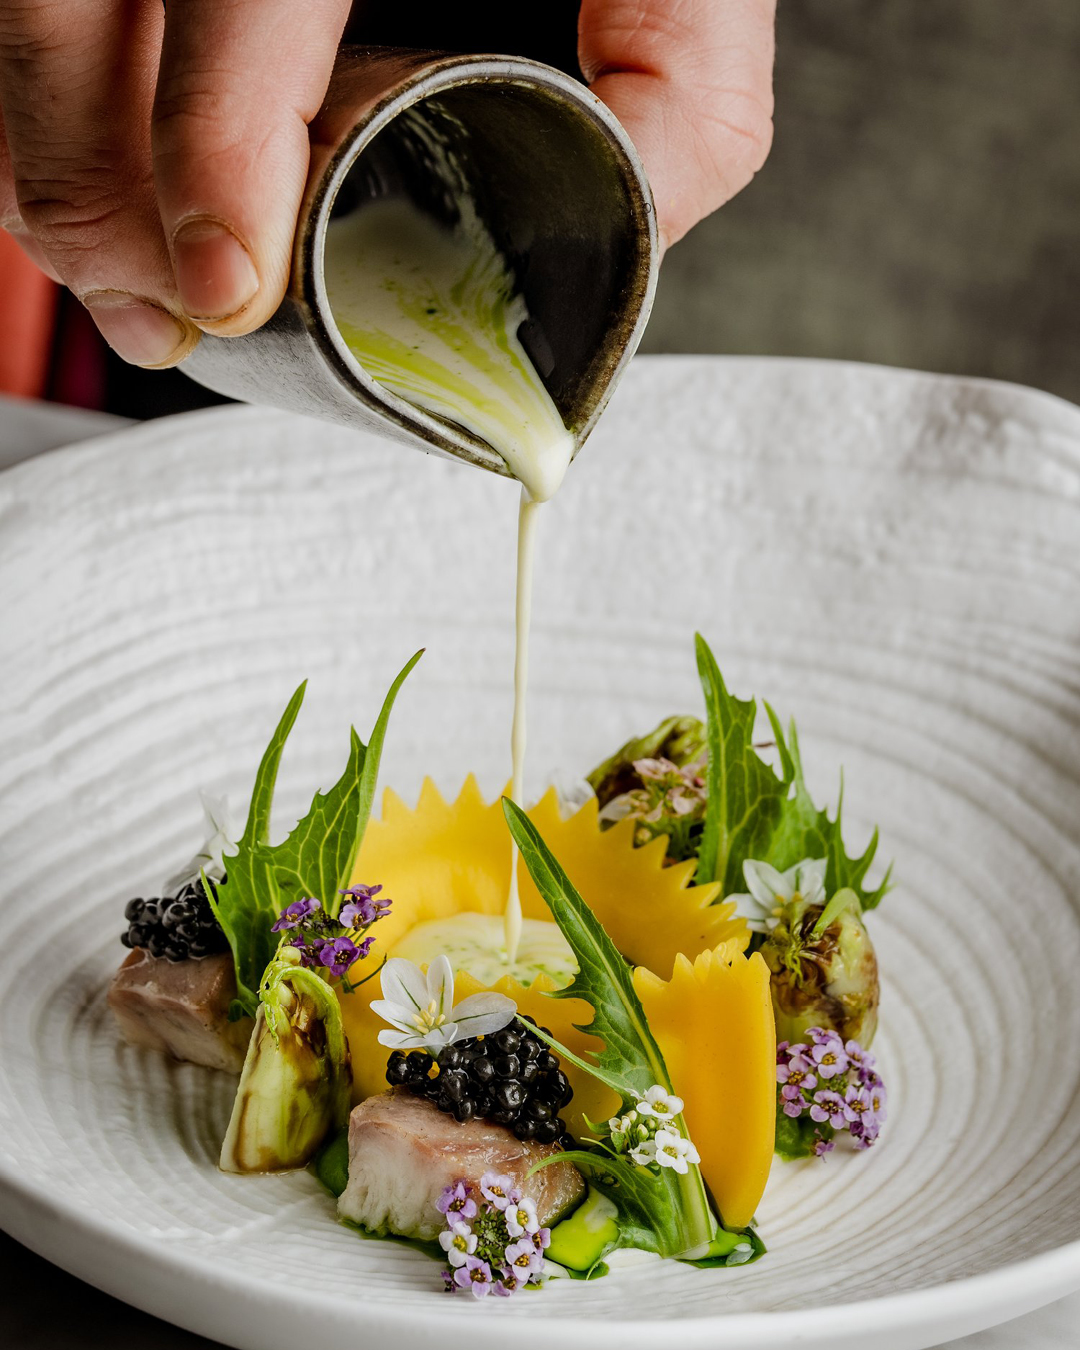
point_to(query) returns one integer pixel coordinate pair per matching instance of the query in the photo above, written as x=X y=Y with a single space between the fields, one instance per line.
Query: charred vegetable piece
x=182 y=1008
x=824 y=971
x=681 y=740
x=404 y=1152
x=294 y=1090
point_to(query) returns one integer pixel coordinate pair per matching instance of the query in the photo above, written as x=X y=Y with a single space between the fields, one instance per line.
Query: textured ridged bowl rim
x=958 y=1308
x=92 y=1248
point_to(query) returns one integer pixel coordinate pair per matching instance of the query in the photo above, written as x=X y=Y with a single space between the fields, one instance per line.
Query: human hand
x=158 y=157
x=691 y=81
x=157 y=160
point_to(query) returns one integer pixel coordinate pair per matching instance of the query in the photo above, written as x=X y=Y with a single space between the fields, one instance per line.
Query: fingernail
x=214 y=272
x=136 y=329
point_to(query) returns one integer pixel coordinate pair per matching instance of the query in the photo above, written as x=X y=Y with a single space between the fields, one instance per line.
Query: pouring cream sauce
x=432 y=313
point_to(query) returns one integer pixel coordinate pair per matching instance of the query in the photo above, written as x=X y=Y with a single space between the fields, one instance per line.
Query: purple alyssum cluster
x=330 y=944
x=494 y=1244
x=671 y=801
x=833 y=1084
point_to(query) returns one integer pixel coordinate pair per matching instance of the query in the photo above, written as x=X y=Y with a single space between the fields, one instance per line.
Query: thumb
x=691 y=81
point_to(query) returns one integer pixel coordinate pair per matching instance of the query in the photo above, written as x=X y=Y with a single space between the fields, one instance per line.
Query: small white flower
x=420 y=1007
x=521 y=1218
x=220 y=835
x=619 y=808
x=458 y=1242
x=622 y=1124
x=770 y=891
x=660 y=1103
x=672 y=1150
x=644 y=1154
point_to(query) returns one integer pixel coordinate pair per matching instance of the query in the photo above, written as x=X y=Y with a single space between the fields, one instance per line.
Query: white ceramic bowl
x=891 y=558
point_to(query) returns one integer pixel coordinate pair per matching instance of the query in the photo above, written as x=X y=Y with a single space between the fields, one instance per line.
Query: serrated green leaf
x=755 y=812
x=317 y=857
x=645 y=1215
x=630 y=1060
x=246 y=903
x=745 y=797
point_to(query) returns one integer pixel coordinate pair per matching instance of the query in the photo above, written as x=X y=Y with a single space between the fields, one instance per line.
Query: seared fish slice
x=404 y=1151
x=181 y=1007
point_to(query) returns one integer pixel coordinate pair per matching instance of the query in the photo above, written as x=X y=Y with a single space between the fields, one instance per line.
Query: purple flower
x=308 y=955
x=798 y=1072
x=458 y=1241
x=861 y=1060
x=541 y=1239
x=830 y=1107
x=506 y=1284
x=293 y=915
x=860 y=1105
x=823 y=1146
x=864 y=1131
x=475 y=1276
x=363 y=908
x=828 y=1055
x=457 y=1202
x=521 y=1220
x=524 y=1259
x=878 y=1098
x=795 y=1105
x=499 y=1190
x=337 y=954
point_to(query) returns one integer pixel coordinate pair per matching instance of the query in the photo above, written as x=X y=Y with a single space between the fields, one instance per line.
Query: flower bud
x=824 y=971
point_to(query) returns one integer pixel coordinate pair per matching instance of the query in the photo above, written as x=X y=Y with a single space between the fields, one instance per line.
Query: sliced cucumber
x=587 y=1235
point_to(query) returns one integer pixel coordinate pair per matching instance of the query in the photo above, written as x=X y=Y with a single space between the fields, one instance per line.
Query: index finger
x=238 y=84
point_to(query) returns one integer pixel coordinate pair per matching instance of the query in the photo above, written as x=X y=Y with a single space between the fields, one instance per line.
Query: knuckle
x=191 y=109
x=734 y=138
x=212 y=125
x=30 y=29
x=72 y=211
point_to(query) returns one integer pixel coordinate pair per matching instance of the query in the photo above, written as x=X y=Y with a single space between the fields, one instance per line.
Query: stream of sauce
x=433 y=313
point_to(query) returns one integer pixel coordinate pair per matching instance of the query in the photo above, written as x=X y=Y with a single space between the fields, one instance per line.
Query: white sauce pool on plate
x=473 y=942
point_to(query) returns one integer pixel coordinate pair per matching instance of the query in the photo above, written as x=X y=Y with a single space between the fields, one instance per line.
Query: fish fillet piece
x=181 y=1007
x=404 y=1151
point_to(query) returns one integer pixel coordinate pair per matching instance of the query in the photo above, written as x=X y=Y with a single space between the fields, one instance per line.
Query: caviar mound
x=510 y=1078
x=179 y=928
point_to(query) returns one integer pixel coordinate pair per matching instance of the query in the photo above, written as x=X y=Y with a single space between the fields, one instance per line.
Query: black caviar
x=510 y=1077
x=180 y=927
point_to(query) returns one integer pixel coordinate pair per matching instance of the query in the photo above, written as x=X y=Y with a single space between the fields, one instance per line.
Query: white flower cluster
x=650 y=1135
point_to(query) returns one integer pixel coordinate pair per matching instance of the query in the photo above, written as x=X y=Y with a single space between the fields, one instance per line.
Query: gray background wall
x=921 y=206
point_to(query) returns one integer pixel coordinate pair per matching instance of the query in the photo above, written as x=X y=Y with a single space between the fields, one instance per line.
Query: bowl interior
x=891 y=559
